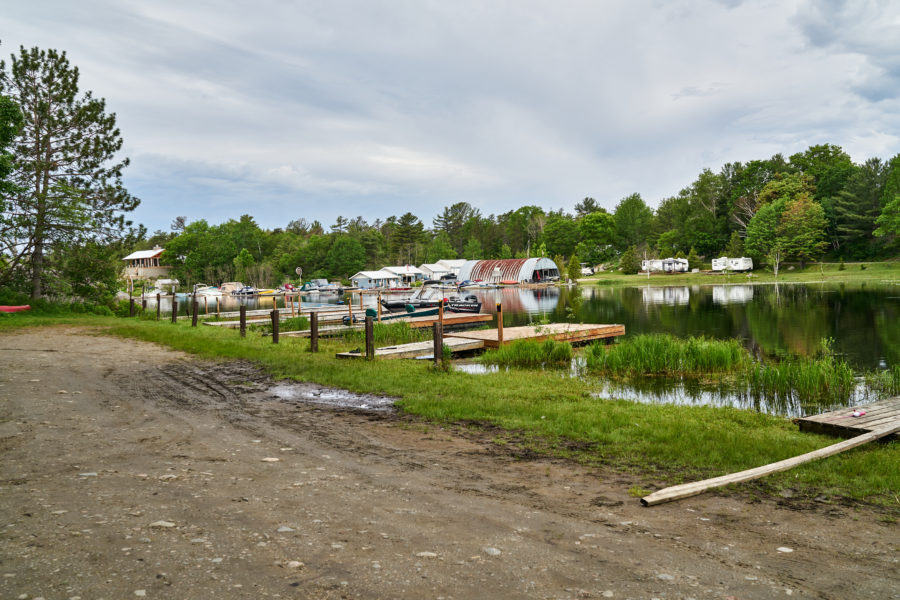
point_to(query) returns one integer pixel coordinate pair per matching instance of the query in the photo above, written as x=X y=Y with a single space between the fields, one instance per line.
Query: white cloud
x=376 y=108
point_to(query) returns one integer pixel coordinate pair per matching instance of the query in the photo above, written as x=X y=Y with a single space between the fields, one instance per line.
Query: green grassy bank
x=816 y=272
x=549 y=413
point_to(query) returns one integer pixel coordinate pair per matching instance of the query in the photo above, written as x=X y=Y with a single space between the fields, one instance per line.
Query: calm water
x=863 y=320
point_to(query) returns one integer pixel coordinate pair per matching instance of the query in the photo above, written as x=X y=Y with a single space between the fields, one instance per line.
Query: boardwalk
x=843 y=423
x=564 y=332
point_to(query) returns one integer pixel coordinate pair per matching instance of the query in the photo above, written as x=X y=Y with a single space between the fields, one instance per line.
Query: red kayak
x=8 y=309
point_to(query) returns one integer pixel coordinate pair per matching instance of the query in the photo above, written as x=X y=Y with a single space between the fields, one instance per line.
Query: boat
x=202 y=289
x=266 y=292
x=370 y=312
x=328 y=287
x=247 y=290
x=12 y=309
x=432 y=296
x=230 y=287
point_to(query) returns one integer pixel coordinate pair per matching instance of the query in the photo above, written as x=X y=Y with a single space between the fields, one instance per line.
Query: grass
x=545 y=413
x=815 y=272
x=530 y=353
x=391 y=333
x=808 y=382
x=658 y=354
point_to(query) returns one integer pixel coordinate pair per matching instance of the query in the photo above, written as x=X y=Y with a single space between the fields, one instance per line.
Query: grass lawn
x=548 y=412
x=879 y=272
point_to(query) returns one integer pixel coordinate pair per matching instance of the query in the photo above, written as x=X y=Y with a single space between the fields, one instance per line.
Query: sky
x=317 y=109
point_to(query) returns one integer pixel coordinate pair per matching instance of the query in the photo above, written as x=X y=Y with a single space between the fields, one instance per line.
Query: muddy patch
x=293 y=391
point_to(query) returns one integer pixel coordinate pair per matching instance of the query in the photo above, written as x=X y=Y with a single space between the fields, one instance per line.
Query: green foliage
x=473 y=250
x=560 y=235
x=694 y=260
x=807 y=381
x=388 y=333
x=346 y=257
x=801 y=232
x=735 y=247
x=530 y=353
x=440 y=248
x=630 y=262
x=632 y=218
x=889 y=220
x=573 y=270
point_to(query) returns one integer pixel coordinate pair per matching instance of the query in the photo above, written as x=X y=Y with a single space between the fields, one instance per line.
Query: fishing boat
x=432 y=296
x=391 y=316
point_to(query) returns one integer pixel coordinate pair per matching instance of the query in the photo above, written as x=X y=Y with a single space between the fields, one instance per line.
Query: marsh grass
x=530 y=353
x=807 y=382
x=300 y=323
x=657 y=354
x=884 y=383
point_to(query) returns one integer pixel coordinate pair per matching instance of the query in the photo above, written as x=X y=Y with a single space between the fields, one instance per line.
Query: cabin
x=434 y=270
x=665 y=265
x=145 y=264
x=373 y=280
x=520 y=270
x=407 y=273
x=732 y=264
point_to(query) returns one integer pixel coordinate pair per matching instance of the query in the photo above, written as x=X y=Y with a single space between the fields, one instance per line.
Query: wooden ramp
x=563 y=332
x=426 y=348
x=842 y=422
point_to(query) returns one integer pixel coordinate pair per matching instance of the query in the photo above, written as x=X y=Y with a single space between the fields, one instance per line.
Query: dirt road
x=129 y=470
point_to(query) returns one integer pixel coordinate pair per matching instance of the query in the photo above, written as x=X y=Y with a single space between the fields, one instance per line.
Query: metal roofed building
x=144 y=264
x=521 y=270
x=368 y=280
x=406 y=273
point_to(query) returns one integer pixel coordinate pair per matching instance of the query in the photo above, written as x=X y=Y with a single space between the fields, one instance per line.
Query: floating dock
x=451 y=321
x=488 y=338
x=842 y=423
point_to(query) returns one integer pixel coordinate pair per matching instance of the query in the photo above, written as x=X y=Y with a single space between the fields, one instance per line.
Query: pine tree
x=70 y=185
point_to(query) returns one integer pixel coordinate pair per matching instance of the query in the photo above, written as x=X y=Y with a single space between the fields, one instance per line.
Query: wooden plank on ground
x=687 y=490
x=842 y=422
x=416 y=349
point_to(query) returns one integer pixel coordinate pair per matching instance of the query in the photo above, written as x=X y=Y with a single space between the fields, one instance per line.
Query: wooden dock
x=842 y=423
x=451 y=321
x=561 y=332
x=417 y=349
x=487 y=338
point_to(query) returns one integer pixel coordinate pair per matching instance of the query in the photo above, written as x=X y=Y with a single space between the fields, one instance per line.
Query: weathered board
x=567 y=332
x=416 y=349
x=842 y=422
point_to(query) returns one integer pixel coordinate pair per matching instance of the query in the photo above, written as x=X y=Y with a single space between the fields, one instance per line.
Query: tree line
x=63 y=228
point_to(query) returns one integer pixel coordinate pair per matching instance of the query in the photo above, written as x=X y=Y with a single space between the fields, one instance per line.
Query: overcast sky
x=287 y=109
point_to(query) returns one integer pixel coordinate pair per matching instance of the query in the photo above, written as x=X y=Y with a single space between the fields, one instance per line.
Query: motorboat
x=247 y=290
x=267 y=292
x=433 y=296
x=230 y=287
x=202 y=289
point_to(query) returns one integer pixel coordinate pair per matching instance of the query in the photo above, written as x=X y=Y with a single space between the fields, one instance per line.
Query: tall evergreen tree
x=856 y=207
x=70 y=185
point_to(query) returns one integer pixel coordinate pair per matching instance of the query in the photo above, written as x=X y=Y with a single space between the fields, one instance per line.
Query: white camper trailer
x=732 y=264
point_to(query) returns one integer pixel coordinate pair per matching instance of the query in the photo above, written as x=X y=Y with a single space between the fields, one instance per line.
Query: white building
x=452 y=265
x=434 y=270
x=370 y=280
x=144 y=264
x=406 y=273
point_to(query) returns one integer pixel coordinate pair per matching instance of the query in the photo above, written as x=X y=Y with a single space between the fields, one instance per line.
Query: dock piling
x=499 y=324
x=158 y=306
x=195 y=310
x=275 y=321
x=131 y=307
x=243 y=311
x=370 y=338
x=313 y=331
x=438 y=333
x=174 y=308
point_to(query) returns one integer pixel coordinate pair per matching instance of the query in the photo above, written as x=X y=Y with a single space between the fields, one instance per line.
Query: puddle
x=313 y=394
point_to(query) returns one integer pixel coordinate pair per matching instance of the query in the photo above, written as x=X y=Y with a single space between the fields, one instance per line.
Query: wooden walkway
x=842 y=422
x=451 y=321
x=563 y=332
x=487 y=338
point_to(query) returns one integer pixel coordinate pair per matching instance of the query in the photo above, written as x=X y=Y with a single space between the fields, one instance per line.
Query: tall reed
x=390 y=333
x=658 y=354
x=530 y=353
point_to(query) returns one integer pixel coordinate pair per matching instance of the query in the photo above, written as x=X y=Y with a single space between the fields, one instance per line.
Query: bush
x=531 y=353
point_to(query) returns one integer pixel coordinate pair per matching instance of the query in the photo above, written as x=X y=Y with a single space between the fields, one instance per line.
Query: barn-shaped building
x=519 y=270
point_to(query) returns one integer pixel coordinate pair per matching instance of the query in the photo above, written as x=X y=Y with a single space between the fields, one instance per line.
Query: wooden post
x=131 y=307
x=438 y=333
x=370 y=338
x=275 y=323
x=441 y=314
x=243 y=312
x=290 y=298
x=350 y=307
x=174 y=308
x=143 y=304
x=205 y=305
x=313 y=331
x=361 y=303
x=158 y=305
x=218 y=303
x=195 y=309
x=379 y=306
x=275 y=303
x=499 y=324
